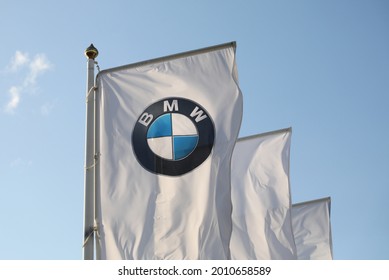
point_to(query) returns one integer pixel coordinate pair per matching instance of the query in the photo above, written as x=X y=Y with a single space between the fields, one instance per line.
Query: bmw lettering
x=173 y=136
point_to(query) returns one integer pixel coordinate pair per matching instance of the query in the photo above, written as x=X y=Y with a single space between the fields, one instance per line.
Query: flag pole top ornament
x=91 y=52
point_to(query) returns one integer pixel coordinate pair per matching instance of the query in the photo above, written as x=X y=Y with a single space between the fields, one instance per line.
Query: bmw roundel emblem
x=173 y=136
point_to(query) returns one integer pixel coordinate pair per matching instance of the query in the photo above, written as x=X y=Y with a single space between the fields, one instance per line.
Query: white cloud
x=19 y=60
x=35 y=67
x=13 y=103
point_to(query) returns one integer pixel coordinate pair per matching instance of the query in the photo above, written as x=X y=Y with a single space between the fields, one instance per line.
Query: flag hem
x=328 y=198
x=288 y=129
x=170 y=57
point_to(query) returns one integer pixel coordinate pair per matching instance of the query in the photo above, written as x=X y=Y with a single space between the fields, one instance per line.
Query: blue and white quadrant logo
x=173 y=137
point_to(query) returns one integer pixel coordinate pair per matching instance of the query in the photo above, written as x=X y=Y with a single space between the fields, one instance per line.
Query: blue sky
x=320 y=67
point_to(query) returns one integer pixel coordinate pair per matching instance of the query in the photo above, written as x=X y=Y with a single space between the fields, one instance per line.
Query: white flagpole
x=89 y=191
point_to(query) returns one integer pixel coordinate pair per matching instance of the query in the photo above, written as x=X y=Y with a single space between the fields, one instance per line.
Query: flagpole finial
x=91 y=52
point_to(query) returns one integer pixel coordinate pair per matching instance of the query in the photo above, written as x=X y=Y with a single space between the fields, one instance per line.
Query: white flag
x=312 y=229
x=261 y=198
x=167 y=128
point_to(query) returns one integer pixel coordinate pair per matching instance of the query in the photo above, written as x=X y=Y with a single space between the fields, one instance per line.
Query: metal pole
x=89 y=187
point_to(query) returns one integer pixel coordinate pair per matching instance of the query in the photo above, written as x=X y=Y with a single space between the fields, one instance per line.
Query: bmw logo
x=173 y=136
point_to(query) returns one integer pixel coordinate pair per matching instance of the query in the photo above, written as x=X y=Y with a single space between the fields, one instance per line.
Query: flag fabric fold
x=261 y=200
x=166 y=131
x=312 y=229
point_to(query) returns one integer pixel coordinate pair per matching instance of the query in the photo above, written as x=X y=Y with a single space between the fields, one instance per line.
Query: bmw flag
x=166 y=129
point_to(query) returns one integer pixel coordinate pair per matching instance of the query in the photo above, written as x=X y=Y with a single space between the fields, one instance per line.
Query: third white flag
x=312 y=229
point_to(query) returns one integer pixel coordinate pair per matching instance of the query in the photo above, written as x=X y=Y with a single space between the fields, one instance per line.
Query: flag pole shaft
x=89 y=186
